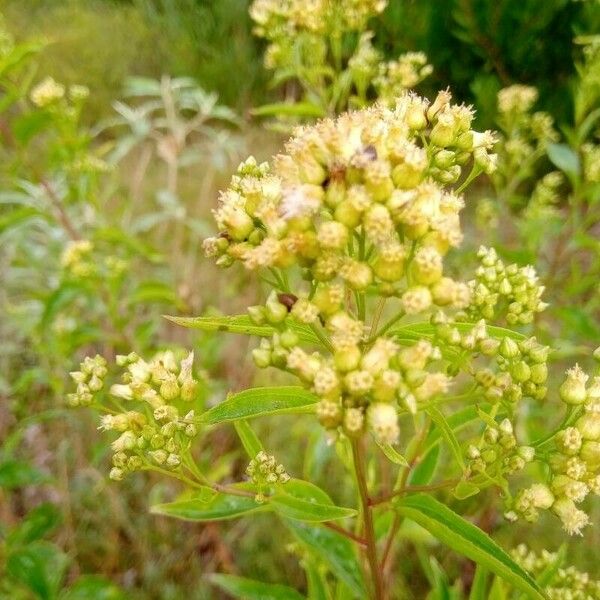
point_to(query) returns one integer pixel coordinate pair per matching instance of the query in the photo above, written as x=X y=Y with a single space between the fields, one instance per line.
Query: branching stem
x=367 y=515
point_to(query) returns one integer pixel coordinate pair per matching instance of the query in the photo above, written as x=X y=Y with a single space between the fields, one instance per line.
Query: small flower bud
x=589 y=426
x=383 y=422
x=573 y=391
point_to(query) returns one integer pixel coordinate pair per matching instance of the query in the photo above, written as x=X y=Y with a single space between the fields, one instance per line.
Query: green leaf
x=17 y=217
x=423 y=473
x=423 y=329
x=154 y=292
x=206 y=504
x=93 y=587
x=36 y=523
x=464 y=490
x=304 y=501
x=334 y=549
x=249 y=589
x=316 y=580
x=249 y=439
x=546 y=577
x=16 y=473
x=440 y=421
x=40 y=566
x=393 y=455
x=479 y=586
x=242 y=324
x=467 y=539
x=565 y=159
x=259 y=402
x=30 y=124
x=298 y=109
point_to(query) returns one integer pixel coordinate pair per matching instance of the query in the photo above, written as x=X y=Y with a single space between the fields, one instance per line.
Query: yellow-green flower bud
x=116 y=474
x=353 y=421
x=508 y=348
x=590 y=454
x=569 y=440
x=589 y=426
x=359 y=382
x=329 y=413
x=158 y=456
x=573 y=391
x=347 y=359
x=383 y=421
x=573 y=519
x=416 y=299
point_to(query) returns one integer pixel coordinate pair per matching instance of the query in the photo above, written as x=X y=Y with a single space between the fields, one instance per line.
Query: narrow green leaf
x=316 y=579
x=209 y=505
x=440 y=421
x=250 y=589
x=479 y=586
x=334 y=549
x=17 y=217
x=304 y=501
x=467 y=539
x=423 y=473
x=393 y=455
x=298 y=109
x=242 y=324
x=249 y=439
x=547 y=575
x=258 y=402
x=426 y=329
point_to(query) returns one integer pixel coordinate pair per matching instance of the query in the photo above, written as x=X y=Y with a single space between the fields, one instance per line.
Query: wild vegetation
x=299 y=300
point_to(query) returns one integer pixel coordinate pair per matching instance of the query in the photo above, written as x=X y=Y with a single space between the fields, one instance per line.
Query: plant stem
x=346 y=533
x=409 y=489
x=367 y=514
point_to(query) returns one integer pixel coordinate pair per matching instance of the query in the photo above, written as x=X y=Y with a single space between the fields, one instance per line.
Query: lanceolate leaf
x=305 y=501
x=242 y=324
x=249 y=439
x=446 y=431
x=298 y=109
x=335 y=550
x=426 y=329
x=393 y=455
x=249 y=589
x=259 y=402
x=467 y=539
x=209 y=505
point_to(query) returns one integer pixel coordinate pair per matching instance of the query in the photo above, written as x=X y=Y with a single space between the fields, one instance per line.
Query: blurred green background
x=475 y=46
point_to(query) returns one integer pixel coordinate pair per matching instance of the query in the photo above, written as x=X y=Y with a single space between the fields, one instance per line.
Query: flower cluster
x=89 y=380
x=567 y=583
x=312 y=42
x=276 y=19
x=358 y=204
x=47 y=92
x=264 y=471
x=158 y=429
x=524 y=138
x=545 y=197
x=500 y=288
x=359 y=212
x=575 y=459
x=79 y=261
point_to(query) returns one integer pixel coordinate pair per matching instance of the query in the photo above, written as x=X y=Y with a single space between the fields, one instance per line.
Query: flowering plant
x=326 y=49
x=350 y=228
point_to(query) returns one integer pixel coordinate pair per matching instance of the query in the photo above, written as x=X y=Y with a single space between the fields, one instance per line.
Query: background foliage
x=150 y=208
